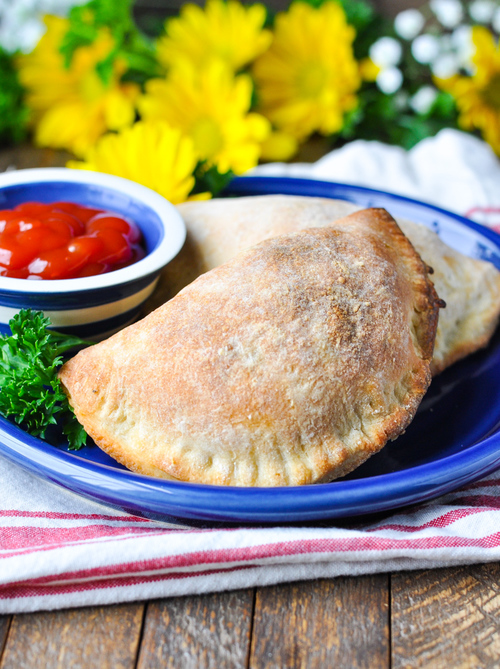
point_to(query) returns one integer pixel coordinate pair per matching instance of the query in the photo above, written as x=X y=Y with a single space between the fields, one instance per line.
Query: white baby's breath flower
x=389 y=80
x=409 y=23
x=463 y=46
x=423 y=99
x=445 y=43
x=21 y=24
x=401 y=99
x=461 y=37
x=27 y=35
x=386 y=52
x=425 y=48
x=445 y=66
x=495 y=21
x=448 y=12
x=481 y=11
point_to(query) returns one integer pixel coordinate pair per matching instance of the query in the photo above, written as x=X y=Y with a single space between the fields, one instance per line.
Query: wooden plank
x=341 y=622
x=447 y=618
x=4 y=630
x=200 y=632
x=105 y=637
x=23 y=156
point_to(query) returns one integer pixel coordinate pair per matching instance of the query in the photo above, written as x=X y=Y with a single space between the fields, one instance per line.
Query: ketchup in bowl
x=64 y=240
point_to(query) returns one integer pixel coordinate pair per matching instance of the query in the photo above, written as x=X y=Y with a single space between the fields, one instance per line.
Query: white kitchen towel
x=453 y=170
x=59 y=550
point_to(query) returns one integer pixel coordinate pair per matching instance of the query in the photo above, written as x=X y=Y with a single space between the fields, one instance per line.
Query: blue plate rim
x=157 y=498
x=430 y=479
x=253 y=186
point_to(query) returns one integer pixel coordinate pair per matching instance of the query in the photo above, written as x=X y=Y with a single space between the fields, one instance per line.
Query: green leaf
x=313 y=3
x=381 y=117
x=105 y=68
x=210 y=179
x=75 y=434
x=351 y=121
x=358 y=12
x=131 y=45
x=31 y=393
x=13 y=111
x=444 y=105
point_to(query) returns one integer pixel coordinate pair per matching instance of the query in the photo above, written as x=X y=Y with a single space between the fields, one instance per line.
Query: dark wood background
x=163 y=8
x=389 y=7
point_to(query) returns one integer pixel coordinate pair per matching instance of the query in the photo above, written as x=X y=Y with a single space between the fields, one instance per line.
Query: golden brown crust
x=219 y=229
x=471 y=290
x=289 y=365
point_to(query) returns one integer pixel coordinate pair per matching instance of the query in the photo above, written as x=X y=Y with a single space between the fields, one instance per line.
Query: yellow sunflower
x=478 y=96
x=308 y=78
x=225 y=30
x=72 y=107
x=211 y=106
x=150 y=153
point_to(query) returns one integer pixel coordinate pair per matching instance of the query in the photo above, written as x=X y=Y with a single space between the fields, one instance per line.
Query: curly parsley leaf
x=30 y=391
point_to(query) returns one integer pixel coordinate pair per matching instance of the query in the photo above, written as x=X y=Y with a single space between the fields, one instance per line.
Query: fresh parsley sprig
x=30 y=391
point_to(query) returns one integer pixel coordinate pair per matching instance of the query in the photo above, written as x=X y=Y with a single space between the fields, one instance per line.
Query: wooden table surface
x=446 y=618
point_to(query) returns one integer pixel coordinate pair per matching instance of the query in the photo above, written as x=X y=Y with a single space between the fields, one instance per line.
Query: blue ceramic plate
x=454 y=439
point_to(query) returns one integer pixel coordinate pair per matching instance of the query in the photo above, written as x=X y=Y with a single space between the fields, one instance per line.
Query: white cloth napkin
x=59 y=550
x=453 y=170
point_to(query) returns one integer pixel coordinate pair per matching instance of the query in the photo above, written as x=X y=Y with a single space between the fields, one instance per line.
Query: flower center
x=311 y=80
x=91 y=86
x=491 y=92
x=207 y=137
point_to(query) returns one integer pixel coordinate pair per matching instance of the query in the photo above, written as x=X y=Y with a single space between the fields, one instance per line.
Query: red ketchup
x=64 y=240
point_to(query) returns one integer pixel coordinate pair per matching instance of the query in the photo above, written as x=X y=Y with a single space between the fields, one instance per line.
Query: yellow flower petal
x=52 y=90
x=119 y=112
x=150 y=153
x=211 y=106
x=228 y=31
x=368 y=70
x=308 y=78
x=478 y=96
x=279 y=147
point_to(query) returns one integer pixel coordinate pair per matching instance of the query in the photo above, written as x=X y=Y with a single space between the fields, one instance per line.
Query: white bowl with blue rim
x=93 y=306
